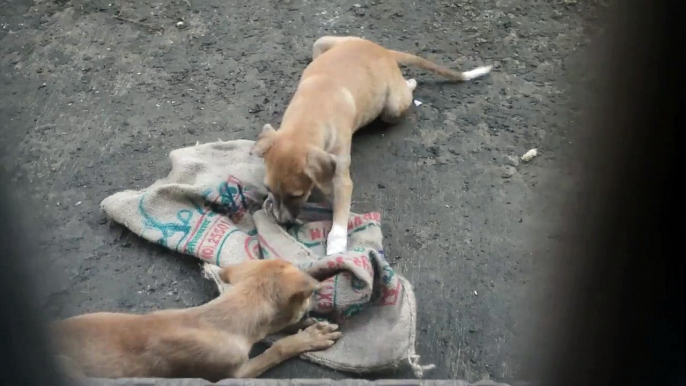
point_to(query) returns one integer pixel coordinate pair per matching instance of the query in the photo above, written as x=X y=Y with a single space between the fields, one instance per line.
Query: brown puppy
x=350 y=82
x=211 y=341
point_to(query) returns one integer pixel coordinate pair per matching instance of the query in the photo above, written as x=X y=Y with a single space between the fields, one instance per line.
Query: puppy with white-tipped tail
x=350 y=82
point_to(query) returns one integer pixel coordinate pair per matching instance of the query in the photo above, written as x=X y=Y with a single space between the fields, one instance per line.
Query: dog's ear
x=302 y=288
x=227 y=274
x=264 y=141
x=320 y=165
x=234 y=273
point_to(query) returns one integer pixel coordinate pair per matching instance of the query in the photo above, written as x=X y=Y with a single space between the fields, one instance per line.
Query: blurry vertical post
x=25 y=355
x=619 y=312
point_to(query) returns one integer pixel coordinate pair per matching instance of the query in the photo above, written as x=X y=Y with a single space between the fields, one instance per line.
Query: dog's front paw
x=318 y=336
x=337 y=241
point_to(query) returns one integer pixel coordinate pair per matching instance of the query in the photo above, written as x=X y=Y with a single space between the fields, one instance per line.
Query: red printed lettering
x=362 y=261
x=315 y=234
x=337 y=264
x=325 y=296
x=358 y=221
x=389 y=296
x=208 y=246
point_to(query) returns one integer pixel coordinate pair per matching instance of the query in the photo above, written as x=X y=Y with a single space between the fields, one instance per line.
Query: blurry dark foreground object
x=24 y=355
x=621 y=310
x=622 y=315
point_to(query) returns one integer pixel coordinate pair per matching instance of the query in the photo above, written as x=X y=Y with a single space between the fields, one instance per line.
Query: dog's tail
x=409 y=59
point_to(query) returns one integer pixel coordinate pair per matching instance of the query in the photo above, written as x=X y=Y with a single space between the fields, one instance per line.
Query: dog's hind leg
x=196 y=353
x=399 y=99
x=325 y=43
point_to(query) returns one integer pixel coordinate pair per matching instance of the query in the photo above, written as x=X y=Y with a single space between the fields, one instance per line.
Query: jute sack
x=210 y=207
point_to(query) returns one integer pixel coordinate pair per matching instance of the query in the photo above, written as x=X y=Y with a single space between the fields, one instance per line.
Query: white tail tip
x=477 y=72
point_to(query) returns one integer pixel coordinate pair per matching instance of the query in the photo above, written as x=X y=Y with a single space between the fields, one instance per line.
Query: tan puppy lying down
x=211 y=341
x=350 y=82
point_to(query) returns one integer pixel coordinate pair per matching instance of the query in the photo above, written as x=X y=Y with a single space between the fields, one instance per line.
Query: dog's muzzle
x=278 y=211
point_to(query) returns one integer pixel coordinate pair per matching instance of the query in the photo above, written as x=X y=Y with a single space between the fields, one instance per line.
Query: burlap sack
x=210 y=207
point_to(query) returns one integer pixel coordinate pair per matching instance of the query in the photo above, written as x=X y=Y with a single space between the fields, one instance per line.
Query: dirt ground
x=95 y=93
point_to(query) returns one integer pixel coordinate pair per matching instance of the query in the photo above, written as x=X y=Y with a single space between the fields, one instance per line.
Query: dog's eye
x=268 y=190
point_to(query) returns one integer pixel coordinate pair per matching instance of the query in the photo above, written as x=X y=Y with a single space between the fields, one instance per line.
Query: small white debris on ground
x=78 y=203
x=529 y=155
x=417 y=103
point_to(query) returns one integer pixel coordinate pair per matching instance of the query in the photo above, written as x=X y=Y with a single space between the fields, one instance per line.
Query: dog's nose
x=283 y=217
x=279 y=211
x=270 y=208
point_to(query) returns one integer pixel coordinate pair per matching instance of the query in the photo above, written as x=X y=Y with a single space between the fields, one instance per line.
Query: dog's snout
x=279 y=211
x=269 y=203
x=283 y=216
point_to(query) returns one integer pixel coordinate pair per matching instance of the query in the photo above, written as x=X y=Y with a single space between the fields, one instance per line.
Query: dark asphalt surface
x=92 y=104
